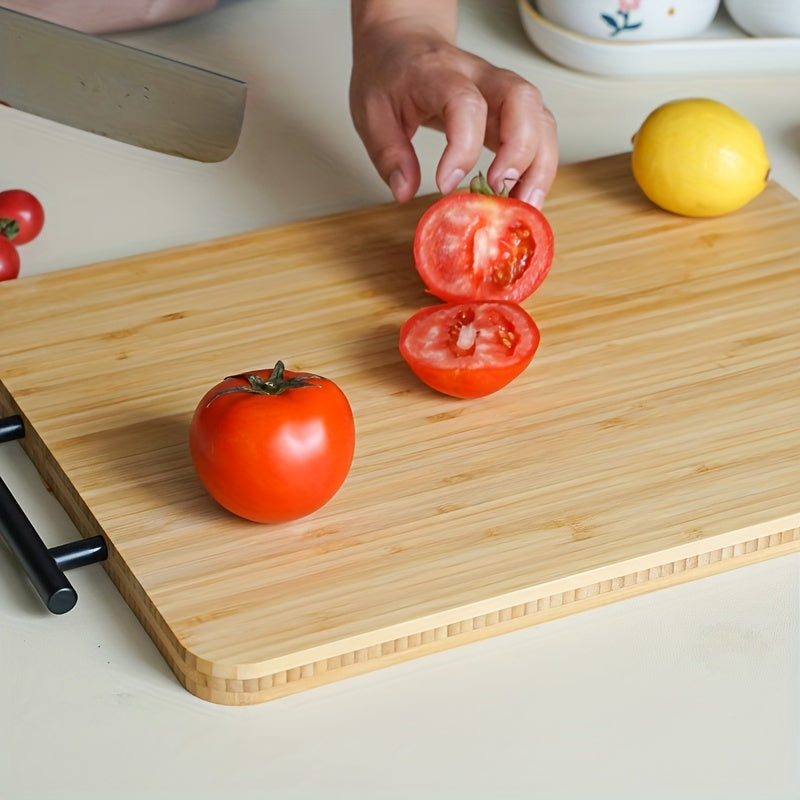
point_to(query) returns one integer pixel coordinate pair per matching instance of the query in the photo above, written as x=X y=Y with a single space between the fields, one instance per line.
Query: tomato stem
x=9 y=227
x=479 y=185
x=274 y=385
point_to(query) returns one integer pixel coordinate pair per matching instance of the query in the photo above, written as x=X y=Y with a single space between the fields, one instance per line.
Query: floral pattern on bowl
x=620 y=20
x=630 y=20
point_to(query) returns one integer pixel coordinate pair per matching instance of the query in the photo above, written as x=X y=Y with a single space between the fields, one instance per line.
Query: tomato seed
x=463 y=335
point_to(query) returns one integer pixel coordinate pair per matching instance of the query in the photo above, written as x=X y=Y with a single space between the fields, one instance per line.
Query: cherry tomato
x=21 y=216
x=273 y=446
x=9 y=260
x=469 y=349
x=475 y=246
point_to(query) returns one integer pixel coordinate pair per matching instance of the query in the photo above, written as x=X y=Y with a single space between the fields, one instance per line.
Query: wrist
x=438 y=17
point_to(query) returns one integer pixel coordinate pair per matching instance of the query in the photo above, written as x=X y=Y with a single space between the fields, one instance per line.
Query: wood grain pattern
x=655 y=437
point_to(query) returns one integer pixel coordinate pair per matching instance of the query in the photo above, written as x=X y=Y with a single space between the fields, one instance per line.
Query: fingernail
x=456 y=176
x=536 y=198
x=508 y=180
x=397 y=183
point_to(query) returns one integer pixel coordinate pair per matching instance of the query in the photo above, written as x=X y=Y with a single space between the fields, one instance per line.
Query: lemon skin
x=699 y=158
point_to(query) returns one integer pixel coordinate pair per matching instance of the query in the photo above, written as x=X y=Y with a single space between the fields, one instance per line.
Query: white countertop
x=687 y=692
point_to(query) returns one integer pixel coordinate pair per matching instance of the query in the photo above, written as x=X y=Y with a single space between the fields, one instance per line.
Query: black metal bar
x=22 y=539
x=44 y=567
x=79 y=553
x=11 y=428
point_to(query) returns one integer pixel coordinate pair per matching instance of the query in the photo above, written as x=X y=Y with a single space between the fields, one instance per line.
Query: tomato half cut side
x=470 y=246
x=469 y=350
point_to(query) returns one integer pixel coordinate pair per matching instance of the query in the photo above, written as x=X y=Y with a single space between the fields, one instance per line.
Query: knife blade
x=118 y=91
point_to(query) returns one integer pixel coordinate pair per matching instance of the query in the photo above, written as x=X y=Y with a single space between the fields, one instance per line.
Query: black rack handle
x=44 y=566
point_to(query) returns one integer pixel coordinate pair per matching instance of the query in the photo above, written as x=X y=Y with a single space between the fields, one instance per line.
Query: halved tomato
x=469 y=349
x=471 y=246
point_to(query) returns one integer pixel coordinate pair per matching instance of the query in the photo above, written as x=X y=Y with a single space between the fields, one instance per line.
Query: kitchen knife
x=118 y=91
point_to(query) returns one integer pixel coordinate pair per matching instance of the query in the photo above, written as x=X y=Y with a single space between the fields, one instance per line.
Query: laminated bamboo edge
x=461 y=626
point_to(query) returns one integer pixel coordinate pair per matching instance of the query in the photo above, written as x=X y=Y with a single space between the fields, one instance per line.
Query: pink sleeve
x=106 y=16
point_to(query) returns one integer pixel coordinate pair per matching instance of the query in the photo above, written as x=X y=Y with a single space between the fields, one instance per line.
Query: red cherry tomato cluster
x=482 y=254
x=21 y=221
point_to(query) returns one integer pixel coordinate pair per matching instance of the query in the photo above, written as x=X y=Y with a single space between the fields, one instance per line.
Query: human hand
x=407 y=74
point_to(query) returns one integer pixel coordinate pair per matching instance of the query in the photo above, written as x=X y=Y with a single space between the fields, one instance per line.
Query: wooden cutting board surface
x=654 y=438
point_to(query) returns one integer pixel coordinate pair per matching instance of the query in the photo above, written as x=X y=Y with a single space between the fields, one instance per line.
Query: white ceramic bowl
x=766 y=17
x=631 y=20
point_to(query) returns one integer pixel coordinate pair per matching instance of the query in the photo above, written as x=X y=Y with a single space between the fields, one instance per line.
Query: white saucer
x=722 y=50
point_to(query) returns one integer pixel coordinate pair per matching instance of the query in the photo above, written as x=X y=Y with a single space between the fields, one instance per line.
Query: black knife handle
x=44 y=566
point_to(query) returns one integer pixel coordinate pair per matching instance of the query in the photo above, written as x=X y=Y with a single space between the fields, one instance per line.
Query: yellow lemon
x=699 y=158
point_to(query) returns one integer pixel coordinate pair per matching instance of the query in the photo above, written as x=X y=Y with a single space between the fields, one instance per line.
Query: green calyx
x=275 y=384
x=479 y=185
x=9 y=227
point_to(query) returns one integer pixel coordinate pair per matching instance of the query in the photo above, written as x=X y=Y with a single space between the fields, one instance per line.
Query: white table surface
x=687 y=692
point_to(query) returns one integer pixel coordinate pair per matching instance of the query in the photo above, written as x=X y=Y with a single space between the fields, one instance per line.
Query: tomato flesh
x=469 y=350
x=470 y=246
x=273 y=458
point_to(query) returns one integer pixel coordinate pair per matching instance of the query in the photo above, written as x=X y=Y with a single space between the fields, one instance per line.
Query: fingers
x=535 y=182
x=500 y=110
x=524 y=137
x=452 y=104
x=389 y=146
x=464 y=115
x=475 y=104
x=531 y=159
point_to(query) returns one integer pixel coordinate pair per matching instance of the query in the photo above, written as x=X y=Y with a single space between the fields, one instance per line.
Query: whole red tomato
x=476 y=245
x=21 y=216
x=273 y=446
x=9 y=260
x=469 y=349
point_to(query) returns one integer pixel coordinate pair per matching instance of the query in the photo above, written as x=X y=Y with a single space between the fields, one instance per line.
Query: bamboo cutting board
x=655 y=437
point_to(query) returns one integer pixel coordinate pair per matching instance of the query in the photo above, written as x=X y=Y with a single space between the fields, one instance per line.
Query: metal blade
x=118 y=91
